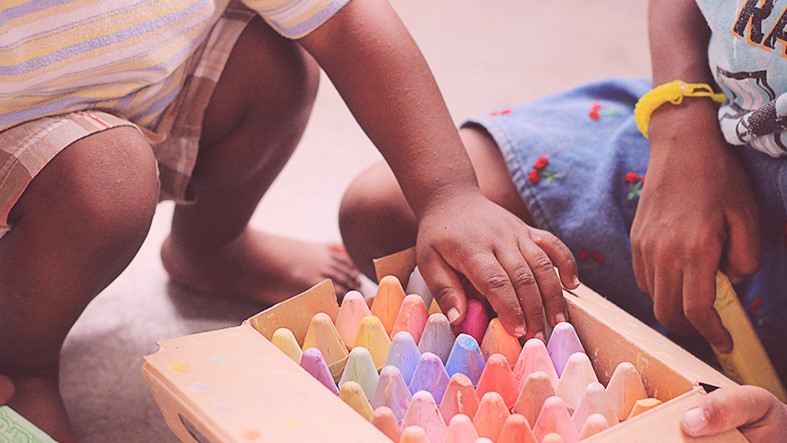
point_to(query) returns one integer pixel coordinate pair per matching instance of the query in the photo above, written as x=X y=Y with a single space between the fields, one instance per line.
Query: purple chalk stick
x=562 y=343
x=430 y=376
x=314 y=363
x=404 y=354
x=392 y=392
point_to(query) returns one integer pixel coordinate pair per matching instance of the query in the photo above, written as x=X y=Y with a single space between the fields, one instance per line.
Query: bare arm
x=385 y=81
x=697 y=213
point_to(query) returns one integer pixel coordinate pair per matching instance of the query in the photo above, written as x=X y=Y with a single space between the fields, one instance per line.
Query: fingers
x=527 y=293
x=743 y=247
x=488 y=275
x=560 y=255
x=445 y=286
x=699 y=289
x=548 y=284
x=668 y=298
x=759 y=415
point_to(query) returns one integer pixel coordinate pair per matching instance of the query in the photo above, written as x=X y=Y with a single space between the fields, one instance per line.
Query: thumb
x=446 y=287
x=754 y=410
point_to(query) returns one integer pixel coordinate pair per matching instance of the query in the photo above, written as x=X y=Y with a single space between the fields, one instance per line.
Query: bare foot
x=260 y=267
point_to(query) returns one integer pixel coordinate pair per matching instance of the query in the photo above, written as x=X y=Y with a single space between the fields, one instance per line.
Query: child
x=575 y=165
x=106 y=107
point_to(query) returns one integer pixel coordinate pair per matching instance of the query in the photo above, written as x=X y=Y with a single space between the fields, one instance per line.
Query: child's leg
x=375 y=219
x=255 y=119
x=75 y=228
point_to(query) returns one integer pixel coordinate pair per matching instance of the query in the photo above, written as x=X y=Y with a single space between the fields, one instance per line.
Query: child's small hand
x=697 y=215
x=509 y=262
x=754 y=411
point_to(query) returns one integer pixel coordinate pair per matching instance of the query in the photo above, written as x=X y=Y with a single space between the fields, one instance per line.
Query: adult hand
x=697 y=214
x=507 y=261
x=759 y=415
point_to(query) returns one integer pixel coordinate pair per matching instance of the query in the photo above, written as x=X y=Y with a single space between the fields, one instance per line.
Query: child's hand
x=509 y=262
x=756 y=412
x=697 y=214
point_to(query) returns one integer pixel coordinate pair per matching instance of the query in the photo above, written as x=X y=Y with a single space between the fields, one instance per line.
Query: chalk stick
x=351 y=313
x=595 y=401
x=392 y=392
x=414 y=434
x=534 y=357
x=437 y=337
x=594 y=424
x=314 y=363
x=360 y=369
x=404 y=354
x=516 y=429
x=423 y=412
x=284 y=339
x=497 y=377
x=322 y=335
x=412 y=317
x=624 y=389
x=490 y=416
x=460 y=430
x=417 y=285
x=388 y=301
x=498 y=341
x=577 y=375
x=484 y=440
x=563 y=342
x=476 y=320
x=384 y=420
x=534 y=393
x=466 y=358
x=352 y=394
x=430 y=376
x=642 y=406
x=554 y=418
x=372 y=336
x=553 y=437
x=460 y=398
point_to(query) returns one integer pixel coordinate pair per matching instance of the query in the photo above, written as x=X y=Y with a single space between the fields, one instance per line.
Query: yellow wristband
x=672 y=92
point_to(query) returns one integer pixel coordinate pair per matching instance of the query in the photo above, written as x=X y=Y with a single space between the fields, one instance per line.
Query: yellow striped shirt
x=124 y=56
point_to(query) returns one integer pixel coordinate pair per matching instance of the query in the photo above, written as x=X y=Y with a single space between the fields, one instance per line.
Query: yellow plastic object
x=747 y=363
x=672 y=92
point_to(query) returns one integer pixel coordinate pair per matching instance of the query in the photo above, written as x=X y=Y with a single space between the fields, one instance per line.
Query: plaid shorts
x=26 y=149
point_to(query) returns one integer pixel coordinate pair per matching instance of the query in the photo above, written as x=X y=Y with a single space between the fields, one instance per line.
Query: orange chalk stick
x=642 y=406
x=388 y=301
x=516 y=429
x=414 y=434
x=497 y=377
x=498 y=341
x=322 y=334
x=491 y=415
x=624 y=389
x=459 y=398
x=384 y=420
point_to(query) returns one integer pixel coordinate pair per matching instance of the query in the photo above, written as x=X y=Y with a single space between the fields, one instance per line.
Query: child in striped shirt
x=108 y=107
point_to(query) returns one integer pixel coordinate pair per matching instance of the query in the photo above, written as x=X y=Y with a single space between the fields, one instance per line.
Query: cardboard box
x=233 y=385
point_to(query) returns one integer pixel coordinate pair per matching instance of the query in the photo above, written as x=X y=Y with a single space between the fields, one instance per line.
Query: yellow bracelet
x=672 y=92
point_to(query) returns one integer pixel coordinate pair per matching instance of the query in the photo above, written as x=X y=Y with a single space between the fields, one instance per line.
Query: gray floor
x=485 y=55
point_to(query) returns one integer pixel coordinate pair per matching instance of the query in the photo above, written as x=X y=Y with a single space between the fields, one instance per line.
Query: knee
x=107 y=189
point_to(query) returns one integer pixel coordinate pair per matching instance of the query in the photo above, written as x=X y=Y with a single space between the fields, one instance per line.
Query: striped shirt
x=127 y=57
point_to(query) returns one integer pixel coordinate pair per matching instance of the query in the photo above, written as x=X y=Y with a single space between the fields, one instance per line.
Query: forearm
x=400 y=109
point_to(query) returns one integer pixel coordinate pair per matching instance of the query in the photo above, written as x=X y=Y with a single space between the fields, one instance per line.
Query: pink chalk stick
x=534 y=357
x=423 y=412
x=476 y=320
x=595 y=401
x=577 y=376
x=352 y=312
x=516 y=429
x=460 y=430
x=459 y=398
x=554 y=418
x=384 y=420
x=534 y=393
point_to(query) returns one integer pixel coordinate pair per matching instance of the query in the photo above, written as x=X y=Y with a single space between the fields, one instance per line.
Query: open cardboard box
x=233 y=385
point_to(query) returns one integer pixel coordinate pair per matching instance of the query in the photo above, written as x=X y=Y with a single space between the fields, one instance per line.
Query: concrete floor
x=484 y=57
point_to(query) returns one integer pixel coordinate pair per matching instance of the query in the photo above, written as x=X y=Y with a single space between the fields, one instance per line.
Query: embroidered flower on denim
x=756 y=312
x=598 y=109
x=591 y=260
x=636 y=182
x=540 y=171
